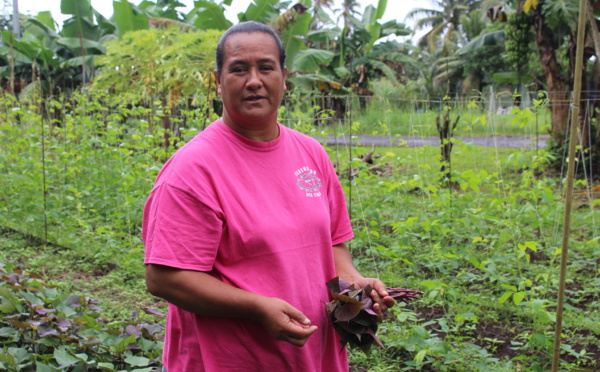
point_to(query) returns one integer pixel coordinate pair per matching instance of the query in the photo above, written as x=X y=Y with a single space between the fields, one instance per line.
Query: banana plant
x=128 y=18
x=360 y=53
x=262 y=11
x=57 y=60
x=209 y=15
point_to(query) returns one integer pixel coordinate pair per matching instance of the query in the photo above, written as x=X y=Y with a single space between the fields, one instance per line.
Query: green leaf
x=80 y=27
x=545 y=317
x=8 y=307
x=121 y=346
x=64 y=358
x=291 y=37
x=531 y=245
x=505 y=297
x=509 y=287
x=341 y=71
x=456 y=141
x=25 y=49
x=45 y=17
x=430 y=284
x=8 y=332
x=39 y=367
x=81 y=24
x=40 y=30
x=137 y=361
x=387 y=70
x=381 y=7
x=78 y=8
x=518 y=297
x=375 y=31
x=260 y=11
x=537 y=305
x=126 y=20
x=311 y=59
x=20 y=354
x=538 y=339
x=107 y=367
x=90 y=46
x=208 y=15
x=491 y=38
x=420 y=356
x=107 y=26
x=77 y=62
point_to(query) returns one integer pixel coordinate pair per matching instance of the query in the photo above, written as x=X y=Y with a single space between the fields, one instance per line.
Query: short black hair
x=248 y=27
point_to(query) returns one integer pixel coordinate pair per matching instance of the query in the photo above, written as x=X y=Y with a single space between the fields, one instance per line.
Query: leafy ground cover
x=484 y=251
x=44 y=329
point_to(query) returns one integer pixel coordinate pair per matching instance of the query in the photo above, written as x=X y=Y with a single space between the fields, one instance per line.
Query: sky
x=395 y=9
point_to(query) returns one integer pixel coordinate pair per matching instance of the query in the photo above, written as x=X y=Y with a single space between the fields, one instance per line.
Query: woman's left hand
x=379 y=295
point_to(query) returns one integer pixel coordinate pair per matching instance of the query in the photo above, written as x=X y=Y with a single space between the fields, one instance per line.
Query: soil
x=497 y=338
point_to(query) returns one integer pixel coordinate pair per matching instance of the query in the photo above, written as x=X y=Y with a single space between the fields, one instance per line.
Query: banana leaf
x=126 y=20
x=310 y=60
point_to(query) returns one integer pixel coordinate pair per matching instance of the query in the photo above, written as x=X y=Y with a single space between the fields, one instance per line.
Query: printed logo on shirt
x=308 y=182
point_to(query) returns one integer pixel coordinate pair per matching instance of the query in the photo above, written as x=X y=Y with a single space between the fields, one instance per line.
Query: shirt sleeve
x=180 y=231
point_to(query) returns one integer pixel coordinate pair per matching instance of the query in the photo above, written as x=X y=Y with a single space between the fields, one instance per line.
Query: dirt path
x=498 y=141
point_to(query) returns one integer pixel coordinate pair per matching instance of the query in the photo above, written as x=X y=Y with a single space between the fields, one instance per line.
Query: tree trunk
x=557 y=94
x=591 y=103
x=166 y=124
x=586 y=111
x=446 y=132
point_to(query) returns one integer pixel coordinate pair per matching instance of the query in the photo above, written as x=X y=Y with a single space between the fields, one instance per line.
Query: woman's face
x=252 y=82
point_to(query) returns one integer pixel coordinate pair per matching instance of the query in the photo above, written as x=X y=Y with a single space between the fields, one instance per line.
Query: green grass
x=379 y=118
x=384 y=117
x=120 y=291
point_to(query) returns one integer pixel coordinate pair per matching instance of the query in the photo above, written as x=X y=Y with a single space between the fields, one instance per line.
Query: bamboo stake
x=12 y=66
x=44 y=189
x=570 y=182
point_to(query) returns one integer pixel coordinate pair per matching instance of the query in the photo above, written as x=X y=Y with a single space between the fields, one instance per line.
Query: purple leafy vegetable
x=351 y=312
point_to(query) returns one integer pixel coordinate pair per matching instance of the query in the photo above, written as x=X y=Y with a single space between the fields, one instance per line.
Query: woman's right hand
x=284 y=322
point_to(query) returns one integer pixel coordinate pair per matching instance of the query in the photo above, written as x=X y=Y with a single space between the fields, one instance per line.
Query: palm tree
x=320 y=17
x=469 y=70
x=348 y=11
x=444 y=20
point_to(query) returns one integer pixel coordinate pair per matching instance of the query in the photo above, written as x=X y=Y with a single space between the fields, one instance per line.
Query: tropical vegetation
x=91 y=109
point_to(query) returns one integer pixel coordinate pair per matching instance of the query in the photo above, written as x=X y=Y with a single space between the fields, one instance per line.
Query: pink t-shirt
x=260 y=216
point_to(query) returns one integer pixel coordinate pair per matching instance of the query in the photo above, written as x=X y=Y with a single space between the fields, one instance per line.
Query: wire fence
x=78 y=171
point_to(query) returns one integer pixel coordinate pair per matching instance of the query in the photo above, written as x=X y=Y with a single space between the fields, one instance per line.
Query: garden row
x=484 y=249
